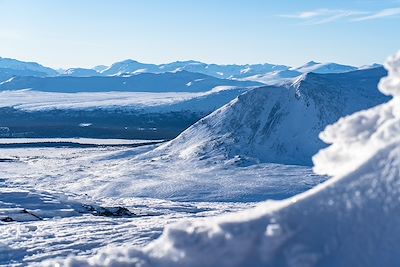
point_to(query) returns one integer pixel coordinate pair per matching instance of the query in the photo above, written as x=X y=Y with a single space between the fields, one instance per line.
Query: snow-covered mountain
x=80 y=72
x=100 y=68
x=223 y=71
x=266 y=73
x=6 y=74
x=11 y=67
x=278 y=124
x=181 y=81
x=371 y=66
x=129 y=66
x=350 y=220
x=317 y=67
x=220 y=71
x=275 y=77
x=8 y=63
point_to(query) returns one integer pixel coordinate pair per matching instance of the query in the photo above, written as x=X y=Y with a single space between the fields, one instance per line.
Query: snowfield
x=28 y=100
x=350 y=220
x=57 y=202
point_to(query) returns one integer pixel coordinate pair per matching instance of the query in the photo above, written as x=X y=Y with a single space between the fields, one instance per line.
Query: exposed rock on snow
x=278 y=124
x=350 y=220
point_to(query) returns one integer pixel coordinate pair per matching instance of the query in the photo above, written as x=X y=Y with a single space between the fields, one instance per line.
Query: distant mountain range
x=257 y=72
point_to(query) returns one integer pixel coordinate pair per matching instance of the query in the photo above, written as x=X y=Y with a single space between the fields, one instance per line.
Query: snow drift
x=350 y=220
x=278 y=124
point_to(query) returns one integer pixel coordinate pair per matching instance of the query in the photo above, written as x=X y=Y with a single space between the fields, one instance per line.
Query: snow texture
x=350 y=220
x=46 y=195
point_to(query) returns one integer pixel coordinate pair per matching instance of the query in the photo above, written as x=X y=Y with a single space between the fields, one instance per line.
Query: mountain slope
x=316 y=67
x=278 y=124
x=129 y=66
x=181 y=81
x=13 y=64
x=350 y=220
x=275 y=77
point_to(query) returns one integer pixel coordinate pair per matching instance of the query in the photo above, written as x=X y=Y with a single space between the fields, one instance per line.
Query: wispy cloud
x=322 y=16
x=389 y=12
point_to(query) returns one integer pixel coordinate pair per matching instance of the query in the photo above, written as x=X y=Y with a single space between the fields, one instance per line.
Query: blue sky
x=70 y=33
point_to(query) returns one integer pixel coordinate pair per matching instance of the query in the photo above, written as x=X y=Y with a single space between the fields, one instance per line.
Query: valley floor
x=51 y=198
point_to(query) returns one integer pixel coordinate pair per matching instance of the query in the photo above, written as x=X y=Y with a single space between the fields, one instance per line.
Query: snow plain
x=28 y=100
x=45 y=189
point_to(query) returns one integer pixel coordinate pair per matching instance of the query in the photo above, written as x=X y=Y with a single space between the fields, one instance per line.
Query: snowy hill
x=275 y=77
x=80 y=72
x=278 y=124
x=100 y=68
x=129 y=67
x=372 y=66
x=13 y=64
x=6 y=74
x=316 y=67
x=11 y=67
x=181 y=81
x=350 y=220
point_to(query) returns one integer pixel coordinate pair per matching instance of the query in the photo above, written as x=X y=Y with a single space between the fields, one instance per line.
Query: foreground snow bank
x=350 y=220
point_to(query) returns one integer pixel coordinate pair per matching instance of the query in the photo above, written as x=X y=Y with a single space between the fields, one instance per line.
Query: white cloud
x=322 y=16
x=389 y=12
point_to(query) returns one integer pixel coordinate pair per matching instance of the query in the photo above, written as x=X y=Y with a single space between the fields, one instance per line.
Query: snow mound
x=277 y=124
x=350 y=220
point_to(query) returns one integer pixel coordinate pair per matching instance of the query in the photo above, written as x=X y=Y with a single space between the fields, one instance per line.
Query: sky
x=85 y=33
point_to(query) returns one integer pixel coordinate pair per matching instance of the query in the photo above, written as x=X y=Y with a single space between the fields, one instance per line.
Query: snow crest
x=350 y=220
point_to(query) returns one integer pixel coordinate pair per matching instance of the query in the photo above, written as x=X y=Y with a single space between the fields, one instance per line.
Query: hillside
x=278 y=124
